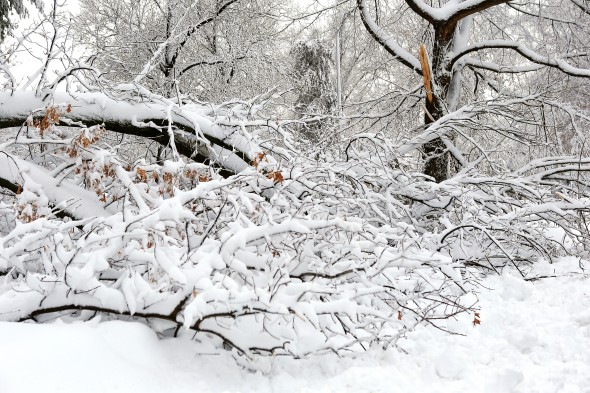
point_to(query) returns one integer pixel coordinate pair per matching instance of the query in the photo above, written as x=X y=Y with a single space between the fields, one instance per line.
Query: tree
x=211 y=49
x=484 y=38
x=313 y=78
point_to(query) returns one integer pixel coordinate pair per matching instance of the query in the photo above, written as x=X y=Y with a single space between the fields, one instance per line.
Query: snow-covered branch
x=521 y=49
x=387 y=42
x=195 y=134
x=453 y=11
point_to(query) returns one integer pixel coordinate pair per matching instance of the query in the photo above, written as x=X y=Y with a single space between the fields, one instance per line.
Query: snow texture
x=534 y=336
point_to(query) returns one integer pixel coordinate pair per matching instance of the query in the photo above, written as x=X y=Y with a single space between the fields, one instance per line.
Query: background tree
x=212 y=50
x=6 y=8
x=485 y=40
x=313 y=78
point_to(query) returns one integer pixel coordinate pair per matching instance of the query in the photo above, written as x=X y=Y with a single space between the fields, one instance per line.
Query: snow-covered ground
x=534 y=336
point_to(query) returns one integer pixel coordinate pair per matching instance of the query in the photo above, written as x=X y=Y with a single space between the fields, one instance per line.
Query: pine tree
x=312 y=76
x=6 y=7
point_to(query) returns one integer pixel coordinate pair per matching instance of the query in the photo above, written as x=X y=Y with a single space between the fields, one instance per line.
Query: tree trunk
x=435 y=153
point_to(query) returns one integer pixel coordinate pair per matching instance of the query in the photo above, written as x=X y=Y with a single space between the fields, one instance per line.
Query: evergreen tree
x=6 y=7
x=313 y=81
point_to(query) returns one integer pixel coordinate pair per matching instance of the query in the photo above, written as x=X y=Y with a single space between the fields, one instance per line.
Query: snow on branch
x=284 y=253
x=453 y=11
x=74 y=200
x=193 y=133
x=521 y=49
x=387 y=42
x=447 y=124
x=219 y=259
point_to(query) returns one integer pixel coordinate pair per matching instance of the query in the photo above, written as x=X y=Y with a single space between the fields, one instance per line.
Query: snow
x=73 y=199
x=534 y=336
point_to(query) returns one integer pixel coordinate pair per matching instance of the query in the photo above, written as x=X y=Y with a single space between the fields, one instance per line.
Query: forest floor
x=534 y=336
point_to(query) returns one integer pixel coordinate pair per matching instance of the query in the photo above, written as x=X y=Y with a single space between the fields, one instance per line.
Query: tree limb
x=195 y=135
x=197 y=26
x=388 y=43
x=582 y=4
x=525 y=52
x=470 y=7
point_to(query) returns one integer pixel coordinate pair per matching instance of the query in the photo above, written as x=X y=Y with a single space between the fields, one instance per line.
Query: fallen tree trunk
x=187 y=130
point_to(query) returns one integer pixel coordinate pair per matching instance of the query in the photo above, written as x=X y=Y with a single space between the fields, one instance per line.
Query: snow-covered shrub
x=294 y=257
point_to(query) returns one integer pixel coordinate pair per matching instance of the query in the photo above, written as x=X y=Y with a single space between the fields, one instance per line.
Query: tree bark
x=437 y=158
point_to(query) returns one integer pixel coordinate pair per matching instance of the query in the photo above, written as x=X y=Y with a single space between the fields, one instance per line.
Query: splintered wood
x=426 y=72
